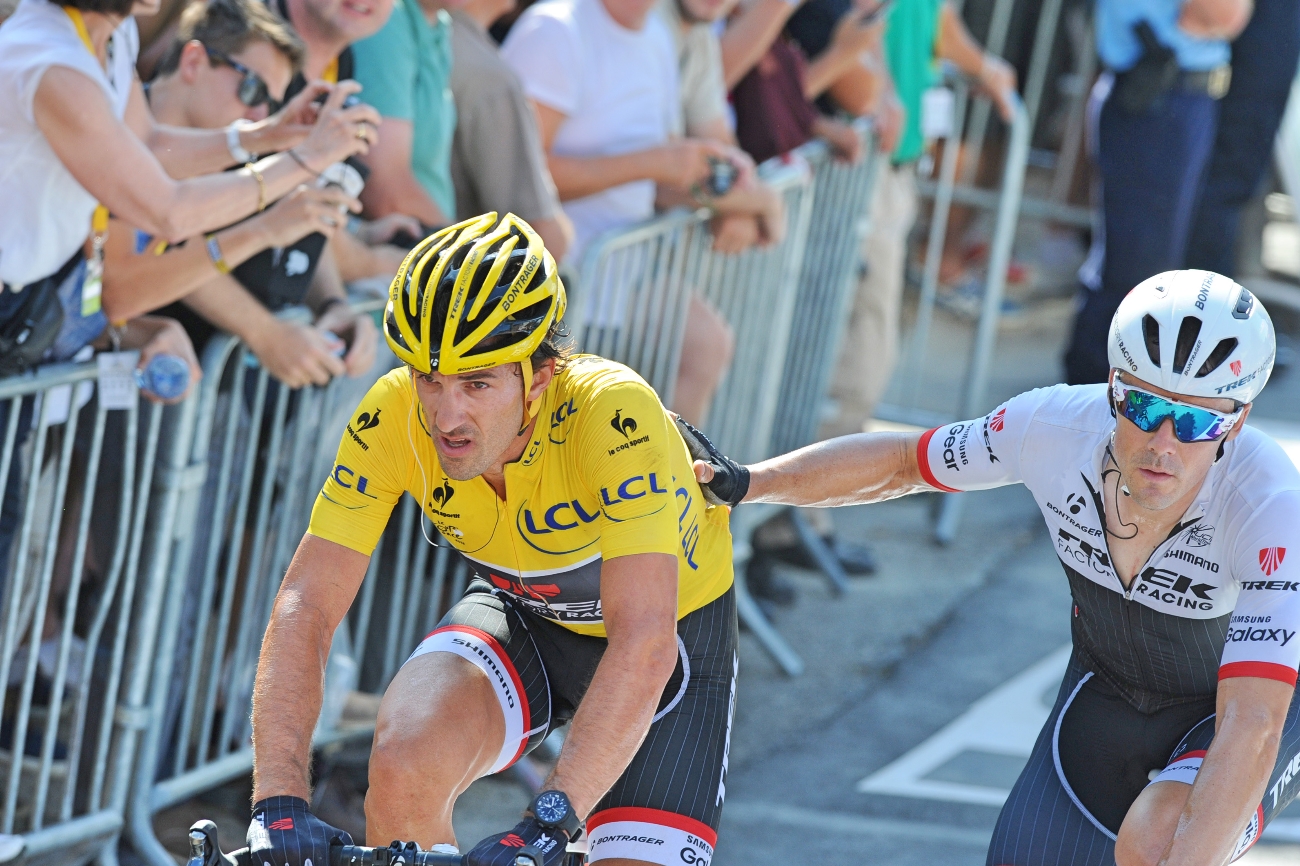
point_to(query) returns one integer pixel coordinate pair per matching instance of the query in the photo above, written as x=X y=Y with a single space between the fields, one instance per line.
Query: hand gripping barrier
x=246 y=473
x=80 y=591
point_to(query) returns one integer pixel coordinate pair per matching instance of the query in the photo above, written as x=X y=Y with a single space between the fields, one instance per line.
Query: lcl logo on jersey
x=1270 y=559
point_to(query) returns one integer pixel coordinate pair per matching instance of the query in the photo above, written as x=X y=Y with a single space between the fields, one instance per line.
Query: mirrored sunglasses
x=1191 y=423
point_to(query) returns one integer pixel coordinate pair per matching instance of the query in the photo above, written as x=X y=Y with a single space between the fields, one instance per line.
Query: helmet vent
x=1151 y=336
x=1217 y=357
x=1245 y=304
x=1188 y=331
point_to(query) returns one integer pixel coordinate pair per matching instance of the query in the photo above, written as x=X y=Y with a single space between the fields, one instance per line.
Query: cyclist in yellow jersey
x=602 y=592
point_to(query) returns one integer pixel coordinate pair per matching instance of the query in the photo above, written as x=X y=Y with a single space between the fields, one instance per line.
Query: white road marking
x=1006 y=721
x=852 y=825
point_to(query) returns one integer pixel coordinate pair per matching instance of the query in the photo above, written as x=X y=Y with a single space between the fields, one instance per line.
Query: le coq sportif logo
x=442 y=495
x=625 y=426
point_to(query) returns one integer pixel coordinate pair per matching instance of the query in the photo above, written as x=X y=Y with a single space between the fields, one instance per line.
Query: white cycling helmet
x=1194 y=333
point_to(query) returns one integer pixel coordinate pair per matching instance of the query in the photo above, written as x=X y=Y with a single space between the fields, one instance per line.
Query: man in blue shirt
x=1264 y=61
x=1152 y=121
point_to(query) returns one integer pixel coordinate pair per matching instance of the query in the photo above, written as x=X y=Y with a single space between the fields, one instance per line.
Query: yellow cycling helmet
x=477 y=294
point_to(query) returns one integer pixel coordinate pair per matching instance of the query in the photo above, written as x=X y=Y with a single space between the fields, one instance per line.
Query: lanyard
x=92 y=287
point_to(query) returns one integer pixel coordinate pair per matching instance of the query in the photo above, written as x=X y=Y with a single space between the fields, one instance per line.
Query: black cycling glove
x=284 y=833
x=730 y=480
x=546 y=844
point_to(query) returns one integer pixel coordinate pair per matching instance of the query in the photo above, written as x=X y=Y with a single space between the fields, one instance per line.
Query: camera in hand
x=348 y=101
x=722 y=176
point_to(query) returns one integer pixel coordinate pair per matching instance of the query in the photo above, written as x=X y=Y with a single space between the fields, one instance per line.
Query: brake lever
x=205 y=850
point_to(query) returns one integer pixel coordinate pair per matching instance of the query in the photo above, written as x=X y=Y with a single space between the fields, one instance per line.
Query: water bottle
x=165 y=376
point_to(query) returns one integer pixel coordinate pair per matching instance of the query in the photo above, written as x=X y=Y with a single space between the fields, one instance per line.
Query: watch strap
x=571 y=823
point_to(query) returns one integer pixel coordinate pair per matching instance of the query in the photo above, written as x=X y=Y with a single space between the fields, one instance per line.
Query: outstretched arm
x=849 y=470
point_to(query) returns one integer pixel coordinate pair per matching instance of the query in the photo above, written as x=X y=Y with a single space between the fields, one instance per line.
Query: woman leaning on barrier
x=77 y=141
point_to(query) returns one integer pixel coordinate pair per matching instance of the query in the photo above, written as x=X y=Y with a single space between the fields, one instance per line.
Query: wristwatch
x=552 y=809
x=237 y=151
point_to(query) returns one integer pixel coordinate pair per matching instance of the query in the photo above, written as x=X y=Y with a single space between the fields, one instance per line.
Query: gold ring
x=361 y=130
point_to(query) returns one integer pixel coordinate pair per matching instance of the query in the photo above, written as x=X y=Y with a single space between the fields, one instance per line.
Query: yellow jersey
x=605 y=474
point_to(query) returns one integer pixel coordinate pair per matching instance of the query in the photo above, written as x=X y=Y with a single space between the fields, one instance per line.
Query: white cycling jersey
x=1218 y=598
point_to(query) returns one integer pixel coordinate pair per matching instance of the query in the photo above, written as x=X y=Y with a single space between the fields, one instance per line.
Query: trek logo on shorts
x=1289 y=772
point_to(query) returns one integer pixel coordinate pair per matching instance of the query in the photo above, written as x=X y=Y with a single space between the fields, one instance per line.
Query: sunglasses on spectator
x=252 y=88
x=1191 y=423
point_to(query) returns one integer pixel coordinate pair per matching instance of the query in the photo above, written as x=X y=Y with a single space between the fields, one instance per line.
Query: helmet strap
x=530 y=406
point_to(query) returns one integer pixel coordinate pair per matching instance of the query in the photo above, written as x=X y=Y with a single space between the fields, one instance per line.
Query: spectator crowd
x=174 y=168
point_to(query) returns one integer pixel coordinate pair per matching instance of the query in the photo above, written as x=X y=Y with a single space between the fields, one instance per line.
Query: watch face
x=551 y=807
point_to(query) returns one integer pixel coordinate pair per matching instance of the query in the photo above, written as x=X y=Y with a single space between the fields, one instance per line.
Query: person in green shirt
x=406 y=71
x=917 y=34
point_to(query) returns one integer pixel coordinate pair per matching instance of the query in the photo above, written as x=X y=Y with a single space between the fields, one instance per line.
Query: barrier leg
x=752 y=617
x=827 y=562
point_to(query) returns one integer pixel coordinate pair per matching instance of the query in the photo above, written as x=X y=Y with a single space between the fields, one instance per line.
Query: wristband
x=237 y=151
x=293 y=154
x=214 y=253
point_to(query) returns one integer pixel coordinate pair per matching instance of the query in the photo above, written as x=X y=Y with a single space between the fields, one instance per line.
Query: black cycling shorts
x=1094 y=757
x=666 y=806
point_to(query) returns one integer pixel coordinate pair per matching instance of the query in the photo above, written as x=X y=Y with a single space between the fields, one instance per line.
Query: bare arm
x=316 y=593
x=1230 y=783
x=556 y=233
x=748 y=36
x=188 y=152
x=1215 y=19
x=859 y=91
x=678 y=163
x=849 y=470
x=339 y=318
x=294 y=353
x=137 y=283
x=857 y=32
x=116 y=167
x=392 y=187
x=358 y=260
x=638 y=595
x=995 y=76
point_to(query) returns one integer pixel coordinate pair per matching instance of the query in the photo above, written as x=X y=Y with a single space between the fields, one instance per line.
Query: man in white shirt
x=602 y=76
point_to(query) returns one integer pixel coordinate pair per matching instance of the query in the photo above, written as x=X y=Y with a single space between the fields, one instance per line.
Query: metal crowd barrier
x=786 y=307
x=908 y=378
x=255 y=458
x=132 y=624
x=826 y=288
x=80 y=580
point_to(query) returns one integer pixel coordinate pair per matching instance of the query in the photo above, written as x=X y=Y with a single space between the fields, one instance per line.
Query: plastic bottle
x=165 y=376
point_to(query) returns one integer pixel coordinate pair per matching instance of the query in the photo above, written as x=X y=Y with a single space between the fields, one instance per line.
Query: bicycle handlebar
x=205 y=851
